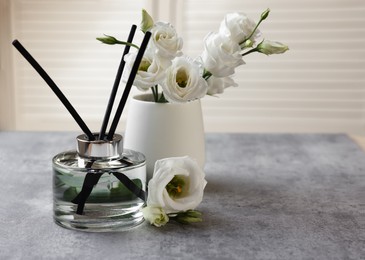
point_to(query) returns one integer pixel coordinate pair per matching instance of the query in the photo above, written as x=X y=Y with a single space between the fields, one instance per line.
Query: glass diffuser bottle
x=99 y=187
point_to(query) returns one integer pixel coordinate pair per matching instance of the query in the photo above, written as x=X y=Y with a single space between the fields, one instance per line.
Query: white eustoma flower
x=238 y=27
x=218 y=85
x=221 y=55
x=150 y=73
x=165 y=41
x=270 y=47
x=184 y=81
x=155 y=215
x=177 y=185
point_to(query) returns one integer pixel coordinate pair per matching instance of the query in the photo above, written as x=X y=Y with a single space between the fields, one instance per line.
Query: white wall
x=318 y=86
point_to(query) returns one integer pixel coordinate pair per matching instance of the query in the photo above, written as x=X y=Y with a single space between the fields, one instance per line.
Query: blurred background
x=318 y=86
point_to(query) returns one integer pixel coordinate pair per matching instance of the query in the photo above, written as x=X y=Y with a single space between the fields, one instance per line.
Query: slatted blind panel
x=317 y=86
x=61 y=36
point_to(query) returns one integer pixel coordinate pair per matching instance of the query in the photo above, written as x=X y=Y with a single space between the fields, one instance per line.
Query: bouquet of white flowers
x=182 y=78
x=178 y=183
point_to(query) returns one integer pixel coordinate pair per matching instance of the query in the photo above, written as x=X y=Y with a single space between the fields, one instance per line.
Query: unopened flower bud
x=147 y=21
x=155 y=215
x=265 y=14
x=271 y=47
x=108 y=40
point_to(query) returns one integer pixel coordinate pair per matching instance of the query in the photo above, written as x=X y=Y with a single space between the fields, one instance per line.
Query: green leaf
x=187 y=217
x=104 y=195
x=74 y=181
x=123 y=192
x=70 y=193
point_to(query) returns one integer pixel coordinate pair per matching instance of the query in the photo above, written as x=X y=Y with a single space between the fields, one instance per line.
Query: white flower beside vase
x=162 y=130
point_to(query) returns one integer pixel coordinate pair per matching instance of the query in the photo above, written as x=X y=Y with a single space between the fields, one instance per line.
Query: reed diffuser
x=99 y=186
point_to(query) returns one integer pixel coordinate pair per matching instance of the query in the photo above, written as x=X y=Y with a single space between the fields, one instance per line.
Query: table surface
x=269 y=196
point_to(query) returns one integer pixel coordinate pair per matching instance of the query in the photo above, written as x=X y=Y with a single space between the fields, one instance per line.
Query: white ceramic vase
x=162 y=130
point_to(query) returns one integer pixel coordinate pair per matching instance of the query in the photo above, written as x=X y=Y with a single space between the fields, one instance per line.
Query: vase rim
x=148 y=99
x=143 y=97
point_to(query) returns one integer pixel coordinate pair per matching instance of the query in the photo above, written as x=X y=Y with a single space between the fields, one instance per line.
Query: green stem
x=112 y=40
x=162 y=99
x=263 y=17
x=127 y=43
x=250 y=51
x=249 y=37
x=155 y=93
x=156 y=97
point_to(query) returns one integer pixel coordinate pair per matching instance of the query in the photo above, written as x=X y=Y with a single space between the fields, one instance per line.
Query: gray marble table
x=269 y=196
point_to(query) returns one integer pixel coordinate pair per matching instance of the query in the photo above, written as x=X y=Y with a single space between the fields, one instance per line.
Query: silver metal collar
x=99 y=148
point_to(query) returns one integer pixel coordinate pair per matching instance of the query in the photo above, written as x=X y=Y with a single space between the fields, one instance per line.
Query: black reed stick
x=55 y=89
x=116 y=84
x=128 y=86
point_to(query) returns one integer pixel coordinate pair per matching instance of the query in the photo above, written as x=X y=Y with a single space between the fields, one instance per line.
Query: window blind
x=318 y=86
x=61 y=37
